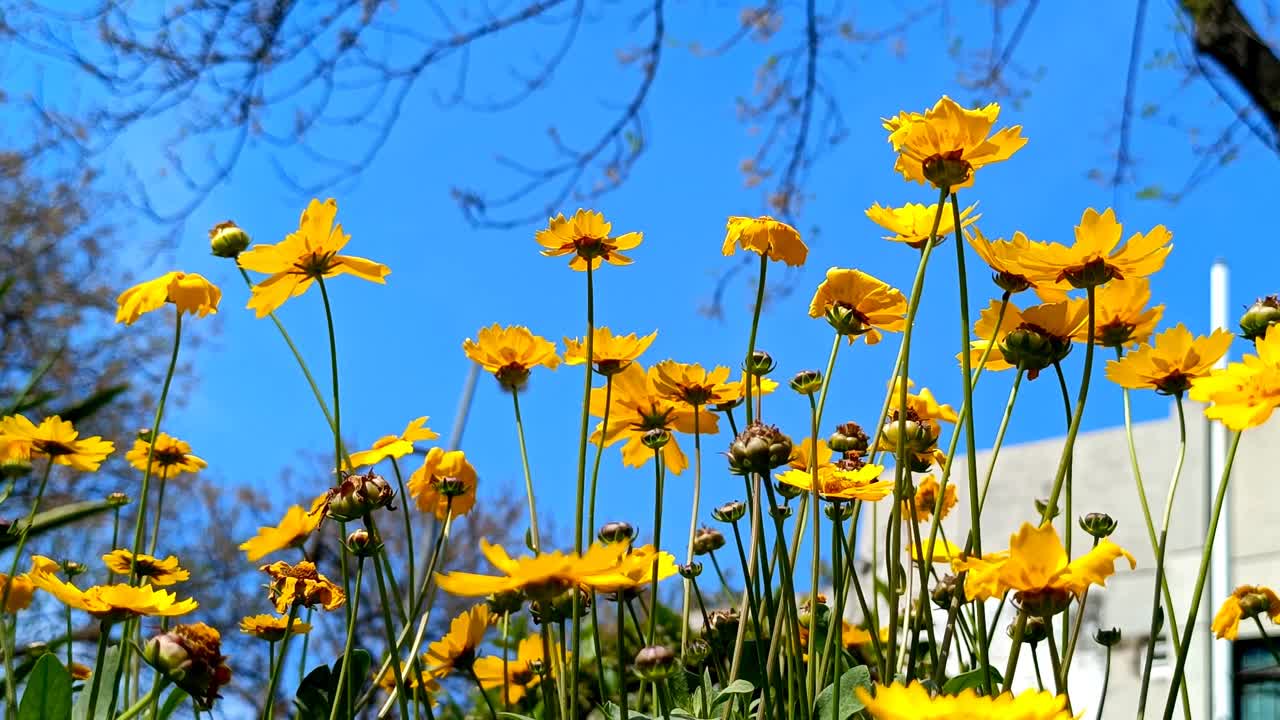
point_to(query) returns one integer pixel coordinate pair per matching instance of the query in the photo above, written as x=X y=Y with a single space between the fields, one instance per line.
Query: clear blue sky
x=251 y=414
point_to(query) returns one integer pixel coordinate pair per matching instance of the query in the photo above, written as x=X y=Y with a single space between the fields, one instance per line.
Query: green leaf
x=55 y=518
x=109 y=671
x=92 y=404
x=854 y=677
x=970 y=680
x=737 y=687
x=8 y=488
x=48 y=693
x=315 y=696
x=172 y=703
x=678 y=686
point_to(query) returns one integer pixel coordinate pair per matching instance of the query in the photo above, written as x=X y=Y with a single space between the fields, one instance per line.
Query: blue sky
x=251 y=415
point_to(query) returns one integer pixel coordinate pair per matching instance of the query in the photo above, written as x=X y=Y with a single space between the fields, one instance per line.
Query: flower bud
x=1254 y=604
x=1033 y=349
x=1099 y=525
x=690 y=570
x=358 y=495
x=1261 y=315
x=788 y=490
x=655 y=439
x=697 y=653
x=1034 y=632
x=227 y=240
x=707 y=540
x=655 y=662
x=848 y=437
x=71 y=568
x=806 y=382
x=191 y=656
x=616 y=532
x=721 y=629
x=844 y=510
x=945 y=591
x=846 y=320
x=759 y=449
x=1107 y=638
x=759 y=364
x=361 y=544
x=920 y=435
x=1043 y=603
x=507 y=601
x=117 y=499
x=1041 y=504
x=946 y=170
x=144 y=434
x=730 y=512
x=782 y=512
x=15 y=468
x=560 y=607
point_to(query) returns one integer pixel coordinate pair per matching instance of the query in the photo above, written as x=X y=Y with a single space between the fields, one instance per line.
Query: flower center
x=168 y=457
x=316 y=264
x=52 y=448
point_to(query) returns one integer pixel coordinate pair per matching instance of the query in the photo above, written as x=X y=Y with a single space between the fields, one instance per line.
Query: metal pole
x=464 y=407
x=1220 y=665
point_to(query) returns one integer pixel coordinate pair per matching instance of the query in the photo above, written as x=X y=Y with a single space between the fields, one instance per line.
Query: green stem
x=837 y=620
x=150 y=698
x=155 y=523
x=657 y=544
x=755 y=327
x=995 y=449
x=622 y=660
x=753 y=607
x=693 y=526
x=140 y=523
x=581 y=488
x=408 y=532
x=1275 y=653
x=268 y=712
x=493 y=714
x=342 y=691
x=816 y=564
x=384 y=601
x=506 y=658
x=104 y=635
x=534 y=535
x=595 y=469
x=1106 y=680
x=1035 y=662
x=9 y=688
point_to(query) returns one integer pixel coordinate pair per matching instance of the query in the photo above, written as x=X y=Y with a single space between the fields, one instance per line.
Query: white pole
x=1220 y=674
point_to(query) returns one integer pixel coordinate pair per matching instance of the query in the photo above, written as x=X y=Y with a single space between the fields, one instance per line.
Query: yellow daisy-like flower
x=859 y=305
x=635 y=570
x=1034 y=337
x=692 y=384
x=610 y=354
x=294 y=528
x=944 y=551
x=800 y=454
x=160 y=573
x=20 y=591
x=1002 y=256
x=510 y=353
x=914 y=702
x=766 y=237
x=947 y=143
x=108 y=602
x=457 y=649
x=922 y=404
x=522 y=673
x=445 y=484
x=171 y=456
x=927 y=499
x=395 y=446
x=851 y=635
x=56 y=439
x=1173 y=360
x=190 y=293
x=1248 y=601
x=1123 y=317
x=1097 y=256
x=272 y=628
x=301 y=584
x=843 y=481
x=311 y=252
x=586 y=237
x=538 y=576
x=912 y=223
x=1037 y=567
x=387 y=681
x=1244 y=394
x=637 y=407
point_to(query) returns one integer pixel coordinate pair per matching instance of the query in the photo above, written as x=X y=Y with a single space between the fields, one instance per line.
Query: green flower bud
x=117 y=499
x=920 y=435
x=1099 y=525
x=655 y=439
x=71 y=568
x=1033 y=349
x=782 y=512
x=788 y=491
x=707 y=540
x=721 y=629
x=760 y=364
x=507 y=601
x=843 y=509
x=690 y=570
x=1261 y=315
x=361 y=544
x=191 y=656
x=807 y=382
x=616 y=532
x=1034 y=633
x=560 y=607
x=1041 y=504
x=945 y=591
x=227 y=240
x=846 y=320
x=848 y=437
x=758 y=450
x=697 y=653
x=1107 y=638
x=730 y=512
x=358 y=495
x=654 y=663
x=15 y=468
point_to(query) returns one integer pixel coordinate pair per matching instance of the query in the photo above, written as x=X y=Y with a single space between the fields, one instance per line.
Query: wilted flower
x=1247 y=601
x=301 y=584
x=358 y=495
x=191 y=657
x=767 y=237
x=190 y=293
x=271 y=627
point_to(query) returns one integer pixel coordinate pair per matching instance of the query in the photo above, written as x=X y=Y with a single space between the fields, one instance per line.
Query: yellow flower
x=913 y=702
x=923 y=404
x=637 y=407
x=1034 y=337
x=947 y=143
x=387 y=681
x=510 y=352
x=301 y=584
x=1097 y=255
x=445 y=484
x=56 y=439
x=108 y=602
x=293 y=529
x=944 y=551
x=1172 y=361
x=457 y=649
x=912 y=223
x=1244 y=394
x=20 y=592
x=857 y=304
x=927 y=499
x=1037 y=567
x=1123 y=317
x=160 y=573
x=610 y=354
x=635 y=571
x=1248 y=601
x=1003 y=256
x=394 y=446
x=523 y=672
x=691 y=383
x=851 y=635
x=189 y=292
x=800 y=454
x=586 y=237
x=170 y=457
x=311 y=252
x=538 y=576
x=846 y=480
x=765 y=236
x=272 y=627
x=80 y=671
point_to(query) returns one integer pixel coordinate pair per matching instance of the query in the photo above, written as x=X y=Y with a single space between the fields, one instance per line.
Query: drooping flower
x=947 y=143
x=510 y=353
x=294 y=528
x=309 y=253
x=610 y=354
x=108 y=602
x=272 y=627
x=912 y=223
x=20 y=591
x=1172 y=361
x=634 y=571
x=637 y=407
x=445 y=484
x=160 y=573
x=767 y=237
x=1246 y=602
x=1097 y=256
x=56 y=439
x=1123 y=318
x=585 y=235
x=190 y=293
x=171 y=456
x=1033 y=338
x=692 y=384
x=914 y=702
x=522 y=673
x=539 y=576
x=301 y=584
x=927 y=499
x=859 y=305
x=456 y=651
x=191 y=657
x=1244 y=394
x=394 y=446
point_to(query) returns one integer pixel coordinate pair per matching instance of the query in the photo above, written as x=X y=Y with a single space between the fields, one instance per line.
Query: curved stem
x=140 y=523
x=344 y=692
x=408 y=532
x=535 y=537
x=385 y=602
x=1271 y=645
x=657 y=544
x=693 y=525
x=1106 y=681
x=755 y=327
x=151 y=697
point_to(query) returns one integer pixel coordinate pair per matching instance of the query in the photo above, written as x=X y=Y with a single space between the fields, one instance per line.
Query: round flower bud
x=227 y=240
x=144 y=434
x=117 y=499
x=616 y=532
x=807 y=382
x=946 y=170
x=809 y=608
x=71 y=568
x=1099 y=525
x=15 y=468
x=191 y=656
x=1108 y=637
x=560 y=607
x=1043 y=603
x=1033 y=349
x=1254 y=604
x=1034 y=632
x=782 y=512
x=848 y=437
x=1010 y=282
x=507 y=601
x=358 y=495
x=760 y=364
x=945 y=591
x=690 y=570
x=759 y=449
x=920 y=435
x=730 y=512
x=1261 y=315
x=655 y=439
x=696 y=653
x=721 y=629
x=361 y=544
x=707 y=540
x=512 y=377
x=845 y=510
x=1041 y=504
x=846 y=320
x=655 y=662
x=788 y=491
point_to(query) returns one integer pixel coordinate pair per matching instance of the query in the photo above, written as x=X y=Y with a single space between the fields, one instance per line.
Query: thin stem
x=385 y=603
x=837 y=620
x=657 y=543
x=342 y=690
x=693 y=525
x=151 y=697
x=595 y=469
x=159 y=514
x=816 y=564
x=408 y=532
x=753 y=607
x=622 y=660
x=1106 y=680
x=493 y=714
x=140 y=523
x=534 y=535
x=1275 y=653
x=755 y=326
x=578 y=534
x=104 y=635
x=9 y=689
x=1035 y=662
